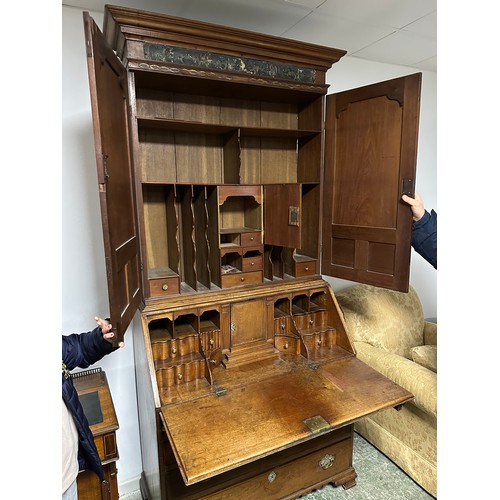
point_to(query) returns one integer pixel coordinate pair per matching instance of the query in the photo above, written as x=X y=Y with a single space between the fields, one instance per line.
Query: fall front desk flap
x=237 y=425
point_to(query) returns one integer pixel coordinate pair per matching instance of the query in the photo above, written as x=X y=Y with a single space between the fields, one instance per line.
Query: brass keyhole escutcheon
x=271 y=477
x=164 y=287
x=252 y=264
x=179 y=376
x=311 y=322
x=174 y=350
x=242 y=279
x=211 y=341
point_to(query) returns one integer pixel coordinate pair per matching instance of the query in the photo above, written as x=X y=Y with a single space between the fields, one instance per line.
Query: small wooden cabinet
x=229 y=182
x=95 y=396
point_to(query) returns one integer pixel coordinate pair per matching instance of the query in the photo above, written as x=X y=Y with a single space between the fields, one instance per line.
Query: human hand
x=105 y=327
x=416 y=205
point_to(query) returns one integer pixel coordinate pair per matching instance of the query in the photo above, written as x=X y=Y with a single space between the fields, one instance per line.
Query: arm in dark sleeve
x=424 y=237
x=84 y=349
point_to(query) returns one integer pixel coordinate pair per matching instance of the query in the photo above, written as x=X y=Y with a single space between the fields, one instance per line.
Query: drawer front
x=305 y=268
x=252 y=263
x=282 y=325
x=302 y=475
x=164 y=286
x=251 y=239
x=287 y=344
x=106 y=446
x=238 y=279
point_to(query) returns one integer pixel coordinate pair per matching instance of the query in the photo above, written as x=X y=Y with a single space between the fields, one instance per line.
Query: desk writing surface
x=213 y=434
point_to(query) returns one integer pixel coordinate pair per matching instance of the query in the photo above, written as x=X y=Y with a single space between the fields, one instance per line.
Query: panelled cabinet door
x=109 y=99
x=370 y=151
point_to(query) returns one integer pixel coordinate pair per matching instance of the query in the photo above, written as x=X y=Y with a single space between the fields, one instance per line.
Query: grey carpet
x=378 y=479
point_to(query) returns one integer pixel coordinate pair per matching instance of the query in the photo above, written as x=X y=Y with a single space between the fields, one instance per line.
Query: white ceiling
x=402 y=32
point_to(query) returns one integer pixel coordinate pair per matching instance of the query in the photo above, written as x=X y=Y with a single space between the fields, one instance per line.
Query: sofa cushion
x=392 y=321
x=426 y=356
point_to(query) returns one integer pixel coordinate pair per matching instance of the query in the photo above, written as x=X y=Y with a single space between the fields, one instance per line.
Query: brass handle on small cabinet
x=311 y=322
x=174 y=350
x=211 y=341
x=164 y=287
x=252 y=263
x=251 y=238
x=271 y=477
x=242 y=279
x=282 y=326
x=285 y=346
x=179 y=376
x=306 y=268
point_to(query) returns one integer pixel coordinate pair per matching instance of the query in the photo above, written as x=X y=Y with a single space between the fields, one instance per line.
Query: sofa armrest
x=420 y=381
x=430 y=333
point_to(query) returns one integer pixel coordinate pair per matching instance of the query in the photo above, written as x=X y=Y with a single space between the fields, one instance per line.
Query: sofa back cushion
x=386 y=319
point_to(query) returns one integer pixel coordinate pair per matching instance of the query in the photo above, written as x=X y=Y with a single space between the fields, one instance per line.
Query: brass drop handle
x=311 y=322
x=213 y=361
x=252 y=263
x=251 y=238
x=179 y=376
x=282 y=326
x=211 y=341
x=319 y=342
x=307 y=268
x=286 y=345
x=174 y=350
x=164 y=287
x=242 y=279
x=327 y=461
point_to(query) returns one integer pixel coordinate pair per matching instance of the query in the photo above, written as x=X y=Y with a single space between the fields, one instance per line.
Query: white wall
x=84 y=288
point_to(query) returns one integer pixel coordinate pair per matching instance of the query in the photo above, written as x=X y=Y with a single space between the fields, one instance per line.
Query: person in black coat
x=79 y=450
x=424 y=230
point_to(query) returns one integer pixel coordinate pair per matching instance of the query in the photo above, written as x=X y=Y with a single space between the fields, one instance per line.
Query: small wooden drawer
x=317 y=469
x=287 y=344
x=164 y=286
x=237 y=279
x=282 y=325
x=106 y=446
x=251 y=239
x=253 y=263
x=305 y=268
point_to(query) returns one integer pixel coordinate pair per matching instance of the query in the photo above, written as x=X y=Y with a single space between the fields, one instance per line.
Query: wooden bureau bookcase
x=229 y=182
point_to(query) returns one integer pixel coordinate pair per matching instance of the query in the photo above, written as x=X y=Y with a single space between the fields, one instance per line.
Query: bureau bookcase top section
x=228 y=161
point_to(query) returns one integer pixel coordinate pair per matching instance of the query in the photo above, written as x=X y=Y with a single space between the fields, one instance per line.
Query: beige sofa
x=390 y=334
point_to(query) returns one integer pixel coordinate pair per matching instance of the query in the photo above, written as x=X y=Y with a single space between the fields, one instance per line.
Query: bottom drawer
x=295 y=478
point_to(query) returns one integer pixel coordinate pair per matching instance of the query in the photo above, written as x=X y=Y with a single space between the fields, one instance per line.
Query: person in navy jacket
x=424 y=230
x=79 y=451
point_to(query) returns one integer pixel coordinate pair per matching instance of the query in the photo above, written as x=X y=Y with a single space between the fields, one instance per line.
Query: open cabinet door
x=109 y=99
x=370 y=154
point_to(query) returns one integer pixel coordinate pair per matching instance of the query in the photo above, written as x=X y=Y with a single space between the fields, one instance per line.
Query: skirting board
x=129 y=486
